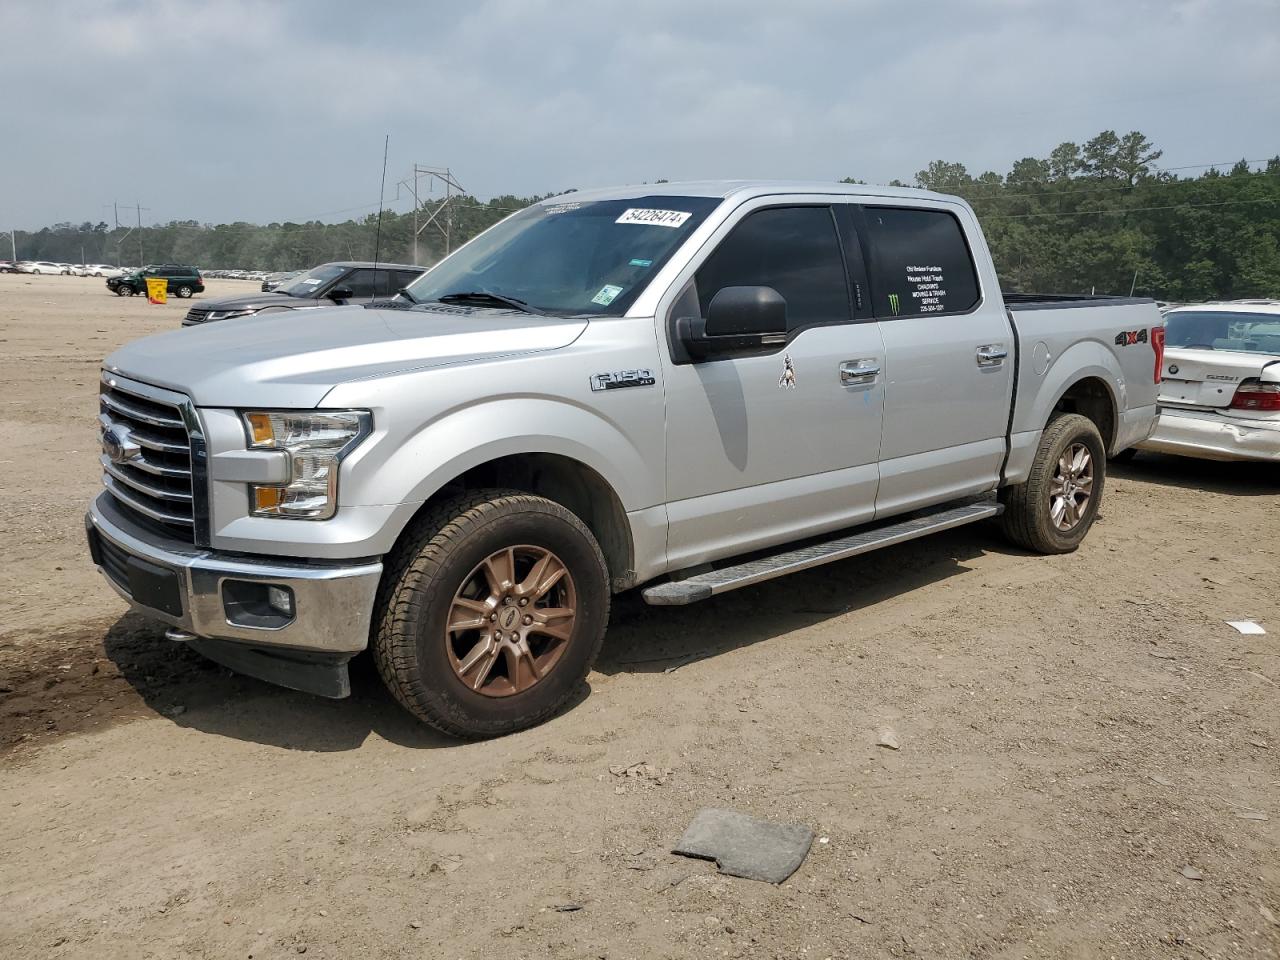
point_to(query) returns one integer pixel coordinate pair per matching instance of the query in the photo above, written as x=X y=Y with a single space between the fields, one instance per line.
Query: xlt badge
x=622 y=378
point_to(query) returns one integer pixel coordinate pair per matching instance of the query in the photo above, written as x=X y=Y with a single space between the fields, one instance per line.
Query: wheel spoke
x=500 y=570
x=477 y=653
x=1085 y=484
x=467 y=614
x=546 y=573
x=1057 y=510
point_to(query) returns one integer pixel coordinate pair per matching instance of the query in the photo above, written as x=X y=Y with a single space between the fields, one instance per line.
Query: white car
x=44 y=266
x=103 y=270
x=1220 y=395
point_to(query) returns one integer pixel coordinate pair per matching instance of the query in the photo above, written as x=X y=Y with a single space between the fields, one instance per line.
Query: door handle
x=992 y=355
x=859 y=371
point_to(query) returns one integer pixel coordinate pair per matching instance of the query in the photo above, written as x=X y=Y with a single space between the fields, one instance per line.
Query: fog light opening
x=266 y=606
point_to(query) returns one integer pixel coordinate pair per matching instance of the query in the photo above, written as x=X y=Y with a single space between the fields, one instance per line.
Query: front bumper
x=1213 y=436
x=195 y=589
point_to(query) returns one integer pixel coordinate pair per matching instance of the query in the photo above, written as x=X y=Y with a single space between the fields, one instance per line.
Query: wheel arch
x=562 y=479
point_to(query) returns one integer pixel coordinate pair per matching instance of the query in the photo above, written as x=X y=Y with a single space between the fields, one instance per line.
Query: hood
x=254 y=301
x=292 y=359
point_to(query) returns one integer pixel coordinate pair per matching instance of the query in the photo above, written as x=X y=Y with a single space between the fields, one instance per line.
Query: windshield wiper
x=488 y=296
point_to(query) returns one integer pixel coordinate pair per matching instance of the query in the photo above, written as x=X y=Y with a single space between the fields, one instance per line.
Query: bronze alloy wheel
x=511 y=620
x=1071 y=487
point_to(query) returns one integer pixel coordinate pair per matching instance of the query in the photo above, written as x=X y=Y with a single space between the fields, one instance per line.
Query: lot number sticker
x=653 y=218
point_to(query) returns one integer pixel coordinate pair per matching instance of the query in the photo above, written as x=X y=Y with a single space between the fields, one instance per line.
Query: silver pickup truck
x=686 y=388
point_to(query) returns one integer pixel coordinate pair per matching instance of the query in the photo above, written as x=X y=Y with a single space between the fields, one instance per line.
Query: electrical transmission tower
x=442 y=216
x=115 y=209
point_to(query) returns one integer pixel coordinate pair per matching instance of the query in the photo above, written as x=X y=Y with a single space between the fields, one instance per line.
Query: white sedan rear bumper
x=1214 y=436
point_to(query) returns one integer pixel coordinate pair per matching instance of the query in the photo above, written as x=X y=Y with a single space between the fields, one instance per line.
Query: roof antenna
x=382 y=190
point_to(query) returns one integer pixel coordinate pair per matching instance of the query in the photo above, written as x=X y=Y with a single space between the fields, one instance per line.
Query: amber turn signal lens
x=267 y=498
x=260 y=427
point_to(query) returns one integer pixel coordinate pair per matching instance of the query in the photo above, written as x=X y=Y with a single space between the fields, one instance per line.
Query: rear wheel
x=1054 y=508
x=491 y=613
x=184 y=291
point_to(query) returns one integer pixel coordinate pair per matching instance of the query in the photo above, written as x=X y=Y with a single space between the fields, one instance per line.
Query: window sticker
x=608 y=293
x=928 y=288
x=311 y=282
x=562 y=208
x=653 y=218
x=637 y=262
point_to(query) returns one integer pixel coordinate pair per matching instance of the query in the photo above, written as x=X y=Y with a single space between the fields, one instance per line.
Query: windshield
x=1210 y=330
x=568 y=257
x=311 y=281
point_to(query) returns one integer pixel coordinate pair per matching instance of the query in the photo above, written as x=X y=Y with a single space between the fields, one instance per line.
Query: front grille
x=152 y=483
x=196 y=315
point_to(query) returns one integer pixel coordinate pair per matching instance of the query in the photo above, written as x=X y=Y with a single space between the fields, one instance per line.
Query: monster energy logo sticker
x=894 y=303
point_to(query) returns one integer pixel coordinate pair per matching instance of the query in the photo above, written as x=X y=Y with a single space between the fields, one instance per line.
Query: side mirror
x=340 y=293
x=738 y=319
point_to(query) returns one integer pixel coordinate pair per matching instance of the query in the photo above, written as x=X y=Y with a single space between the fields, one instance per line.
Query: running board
x=703 y=585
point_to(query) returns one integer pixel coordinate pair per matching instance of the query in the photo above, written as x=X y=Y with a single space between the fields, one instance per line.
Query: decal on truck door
x=788 y=379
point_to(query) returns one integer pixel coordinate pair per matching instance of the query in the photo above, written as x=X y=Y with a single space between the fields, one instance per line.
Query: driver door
x=777 y=443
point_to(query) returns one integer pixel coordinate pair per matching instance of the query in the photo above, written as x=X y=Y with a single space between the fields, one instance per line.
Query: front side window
x=1213 y=330
x=794 y=250
x=362 y=283
x=569 y=257
x=920 y=262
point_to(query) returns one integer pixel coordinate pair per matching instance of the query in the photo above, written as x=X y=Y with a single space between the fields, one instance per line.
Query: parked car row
x=53 y=268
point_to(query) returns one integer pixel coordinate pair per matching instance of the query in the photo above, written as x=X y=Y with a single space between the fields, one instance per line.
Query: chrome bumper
x=185 y=587
x=1212 y=436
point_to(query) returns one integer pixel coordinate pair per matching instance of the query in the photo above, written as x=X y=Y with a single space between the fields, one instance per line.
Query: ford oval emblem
x=119 y=445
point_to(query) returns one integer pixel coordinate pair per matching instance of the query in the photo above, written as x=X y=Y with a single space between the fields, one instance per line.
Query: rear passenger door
x=948 y=355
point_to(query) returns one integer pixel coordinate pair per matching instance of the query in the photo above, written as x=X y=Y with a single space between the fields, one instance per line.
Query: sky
x=224 y=110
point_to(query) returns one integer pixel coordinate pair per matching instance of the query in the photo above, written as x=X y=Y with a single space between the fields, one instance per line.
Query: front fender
x=425 y=459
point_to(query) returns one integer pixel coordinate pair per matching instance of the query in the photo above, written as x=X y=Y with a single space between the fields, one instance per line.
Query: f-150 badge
x=622 y=378
x=788 y=379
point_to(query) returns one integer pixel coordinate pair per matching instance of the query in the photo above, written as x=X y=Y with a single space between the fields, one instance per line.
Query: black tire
x=184 y=292
x=436 y=556
x=123 y=291
x=1028 y=507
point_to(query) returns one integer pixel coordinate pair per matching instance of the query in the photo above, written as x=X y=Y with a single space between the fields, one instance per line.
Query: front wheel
x=491 y=612
x=123 y=291
x=1053 y=509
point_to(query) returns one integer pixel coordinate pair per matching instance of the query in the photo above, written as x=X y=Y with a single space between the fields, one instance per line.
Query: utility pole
x=115 y=208
x=452 y=188
x=13 y=242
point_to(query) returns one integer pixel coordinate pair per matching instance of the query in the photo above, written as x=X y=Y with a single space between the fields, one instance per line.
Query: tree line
x=1095 y=217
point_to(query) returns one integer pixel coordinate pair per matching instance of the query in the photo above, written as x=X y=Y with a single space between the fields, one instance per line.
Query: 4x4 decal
x=1127 y=338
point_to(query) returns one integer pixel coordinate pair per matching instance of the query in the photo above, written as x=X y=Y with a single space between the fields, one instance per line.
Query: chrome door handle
x=992 y=355
x=859 y=371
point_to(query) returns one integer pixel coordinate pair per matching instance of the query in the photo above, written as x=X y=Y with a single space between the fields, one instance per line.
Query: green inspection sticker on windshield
x=637 y=262
x=608 y=293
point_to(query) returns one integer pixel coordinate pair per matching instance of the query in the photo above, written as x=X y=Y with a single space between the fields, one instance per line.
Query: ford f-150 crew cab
x=685 y=388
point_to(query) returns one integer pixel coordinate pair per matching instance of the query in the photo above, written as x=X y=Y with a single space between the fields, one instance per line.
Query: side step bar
x=703 y=585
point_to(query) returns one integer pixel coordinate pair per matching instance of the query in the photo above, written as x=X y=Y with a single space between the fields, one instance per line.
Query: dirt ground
x=1089 y=762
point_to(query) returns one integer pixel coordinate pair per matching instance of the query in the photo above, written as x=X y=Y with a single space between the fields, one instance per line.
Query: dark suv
x=327 y=285
x=183 y=281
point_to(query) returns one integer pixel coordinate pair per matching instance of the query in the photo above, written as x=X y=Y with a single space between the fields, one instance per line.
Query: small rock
x=301 y=948
x=323 y=913
x=416 y=924
x=1191 y=873
x=568 y=907
x=888 y=739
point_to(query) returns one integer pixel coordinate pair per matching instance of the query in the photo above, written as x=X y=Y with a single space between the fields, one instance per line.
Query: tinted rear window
x=920 y=262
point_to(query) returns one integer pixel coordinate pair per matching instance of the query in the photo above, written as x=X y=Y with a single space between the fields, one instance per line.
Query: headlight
x=316 y=442
x=229 y=314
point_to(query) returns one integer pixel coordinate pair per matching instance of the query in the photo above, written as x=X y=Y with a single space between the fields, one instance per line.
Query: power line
x=1112 y=213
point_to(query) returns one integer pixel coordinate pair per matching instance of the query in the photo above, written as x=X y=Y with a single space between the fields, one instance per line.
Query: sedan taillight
x=1253 y=394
